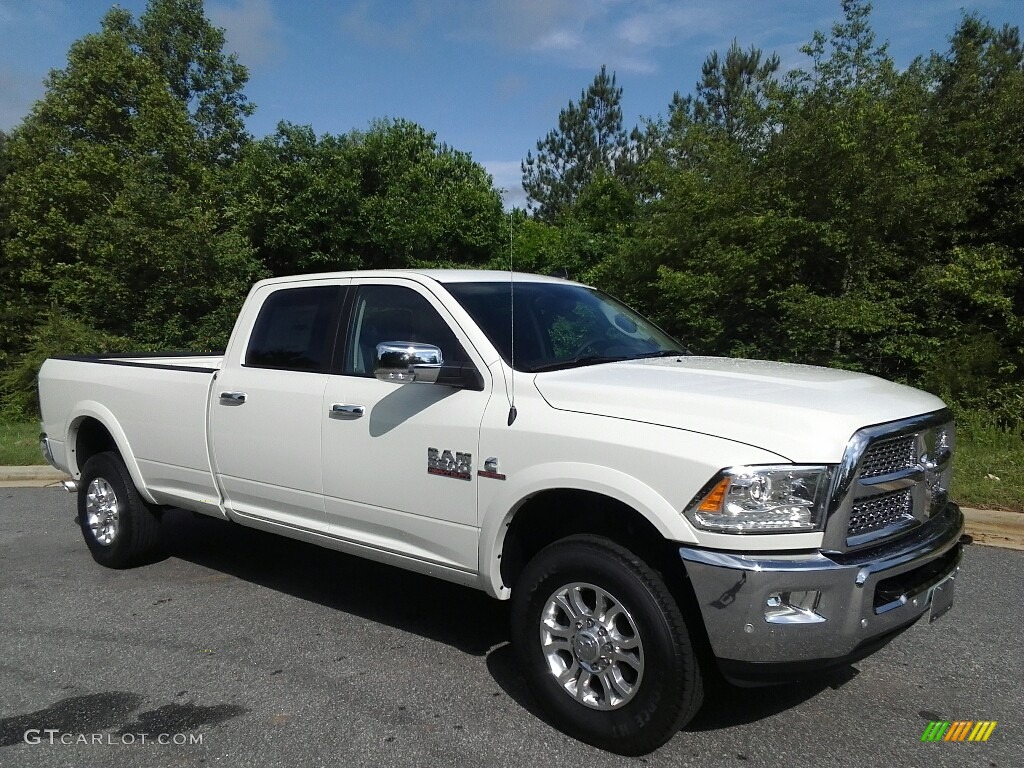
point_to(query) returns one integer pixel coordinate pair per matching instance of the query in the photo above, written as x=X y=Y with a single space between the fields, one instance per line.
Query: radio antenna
x=512 y=324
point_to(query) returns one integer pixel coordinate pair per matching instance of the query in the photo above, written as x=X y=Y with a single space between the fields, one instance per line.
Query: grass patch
x=19 y=444
x=985 y=451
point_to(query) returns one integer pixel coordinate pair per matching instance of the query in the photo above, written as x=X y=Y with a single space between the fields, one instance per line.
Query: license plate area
x=941 y=598
x=896 y=591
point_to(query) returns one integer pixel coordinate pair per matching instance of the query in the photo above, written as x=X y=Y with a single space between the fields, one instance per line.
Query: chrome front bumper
x=864 y=598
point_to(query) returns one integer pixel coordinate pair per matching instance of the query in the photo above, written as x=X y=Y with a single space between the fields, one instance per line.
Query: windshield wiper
x=662 y=353
x=578 y=362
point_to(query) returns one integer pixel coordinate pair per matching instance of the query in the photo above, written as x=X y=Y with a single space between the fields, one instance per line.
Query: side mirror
x=402 y=362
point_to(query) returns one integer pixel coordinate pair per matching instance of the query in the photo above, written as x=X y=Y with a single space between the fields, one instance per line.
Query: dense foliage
x=113 y=199
x=847 y=213
x=390 y=196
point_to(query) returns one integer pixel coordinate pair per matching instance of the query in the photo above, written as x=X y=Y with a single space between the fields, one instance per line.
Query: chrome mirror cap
x=402 y=362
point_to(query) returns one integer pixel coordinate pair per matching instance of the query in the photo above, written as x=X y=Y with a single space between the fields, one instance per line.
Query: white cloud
x=625 y=35
x=622 y=34
x=374 y=25
x=250 y=28
x=520 y=25
x=508 y=179
x=47 y=13
x=583 y=34
x=661 y=25
x=559 y=40
x=638 y=64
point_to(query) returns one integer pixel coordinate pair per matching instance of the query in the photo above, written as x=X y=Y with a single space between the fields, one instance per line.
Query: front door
x=400 y=460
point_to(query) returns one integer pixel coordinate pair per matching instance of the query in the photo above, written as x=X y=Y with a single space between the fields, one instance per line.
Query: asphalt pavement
x=240 y=648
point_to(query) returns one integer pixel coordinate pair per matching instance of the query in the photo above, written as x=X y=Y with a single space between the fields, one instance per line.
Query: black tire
x=668 y=690
x=135 y=533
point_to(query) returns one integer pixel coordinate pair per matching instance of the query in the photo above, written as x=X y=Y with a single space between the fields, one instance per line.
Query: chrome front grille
x=893 y=477
x=877 y=512
x=888 y=456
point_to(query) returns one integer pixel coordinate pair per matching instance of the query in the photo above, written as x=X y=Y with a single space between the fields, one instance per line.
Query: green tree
x=56 y=334
x=589 y=141
x=584 y=242
x=734 y=95
x=854 y=169
x=8 y=272
x=422 y=203
x=390 y=196
x=188 y=50
x=5 y=159
x=973 y=296
x=112 y=206
x=296 y=198
x=709 y=237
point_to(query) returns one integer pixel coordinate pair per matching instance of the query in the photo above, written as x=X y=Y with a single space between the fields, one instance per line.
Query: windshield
x=561 y=325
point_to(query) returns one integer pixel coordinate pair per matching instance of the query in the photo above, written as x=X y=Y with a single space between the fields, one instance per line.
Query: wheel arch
x=573 y=499
x=94 y=429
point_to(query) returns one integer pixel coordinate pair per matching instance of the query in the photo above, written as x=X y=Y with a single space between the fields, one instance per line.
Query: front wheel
x=119 y=526
x=604 y=646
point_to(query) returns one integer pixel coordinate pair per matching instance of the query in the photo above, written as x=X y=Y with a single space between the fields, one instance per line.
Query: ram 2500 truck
x=656 y=518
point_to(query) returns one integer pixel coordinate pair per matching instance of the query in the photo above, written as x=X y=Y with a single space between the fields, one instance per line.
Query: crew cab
x=657 y=519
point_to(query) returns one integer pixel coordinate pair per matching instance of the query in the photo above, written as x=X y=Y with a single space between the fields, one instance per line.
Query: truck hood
x=802 y=413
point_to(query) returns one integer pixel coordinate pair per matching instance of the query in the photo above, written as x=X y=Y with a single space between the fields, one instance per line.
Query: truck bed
x=159 y=402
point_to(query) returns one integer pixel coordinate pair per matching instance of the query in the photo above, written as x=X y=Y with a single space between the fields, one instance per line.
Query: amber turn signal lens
x=714 y=500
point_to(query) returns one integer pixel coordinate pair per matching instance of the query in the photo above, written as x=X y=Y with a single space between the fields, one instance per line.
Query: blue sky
x=488 y=76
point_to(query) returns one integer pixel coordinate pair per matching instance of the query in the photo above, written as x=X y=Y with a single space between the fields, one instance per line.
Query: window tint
x=394 y=313
x=294 y=328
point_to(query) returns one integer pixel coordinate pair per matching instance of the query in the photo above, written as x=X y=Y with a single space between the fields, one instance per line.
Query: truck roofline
x=436 y=275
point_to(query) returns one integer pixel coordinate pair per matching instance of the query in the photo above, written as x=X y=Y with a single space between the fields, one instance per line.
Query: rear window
x=295 y=329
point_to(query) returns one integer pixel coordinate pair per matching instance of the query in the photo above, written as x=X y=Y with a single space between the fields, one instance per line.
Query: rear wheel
x=119 y=526
x=604 y=646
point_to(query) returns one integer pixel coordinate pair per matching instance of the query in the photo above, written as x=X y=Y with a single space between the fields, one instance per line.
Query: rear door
x=266 y=417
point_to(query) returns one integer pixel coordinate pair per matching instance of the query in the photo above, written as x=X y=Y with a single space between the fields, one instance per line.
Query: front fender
x=597 y=479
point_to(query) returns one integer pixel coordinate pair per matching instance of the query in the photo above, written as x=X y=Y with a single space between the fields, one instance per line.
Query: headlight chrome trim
x=743 y=522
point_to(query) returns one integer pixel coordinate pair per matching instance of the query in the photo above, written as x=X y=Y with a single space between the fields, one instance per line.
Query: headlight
x=775 y=499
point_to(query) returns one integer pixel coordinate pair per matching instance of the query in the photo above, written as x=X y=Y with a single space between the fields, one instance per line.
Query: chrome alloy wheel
x=592 y=646
x=101 y=511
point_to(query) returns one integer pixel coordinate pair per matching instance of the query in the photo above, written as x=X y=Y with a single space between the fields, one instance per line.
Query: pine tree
x=732 y=93
x=590 y=141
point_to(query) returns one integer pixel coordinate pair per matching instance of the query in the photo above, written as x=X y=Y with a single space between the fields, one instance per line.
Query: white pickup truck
x=655 y=517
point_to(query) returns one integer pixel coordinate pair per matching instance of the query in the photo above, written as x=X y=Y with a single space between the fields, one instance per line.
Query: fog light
x=795 y=607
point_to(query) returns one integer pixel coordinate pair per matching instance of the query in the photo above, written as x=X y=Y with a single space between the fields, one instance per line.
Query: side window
x=395 y=313
x=294 y=329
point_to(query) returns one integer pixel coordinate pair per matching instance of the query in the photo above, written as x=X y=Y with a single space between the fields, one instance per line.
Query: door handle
x=344 y=411
x=232 y=398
